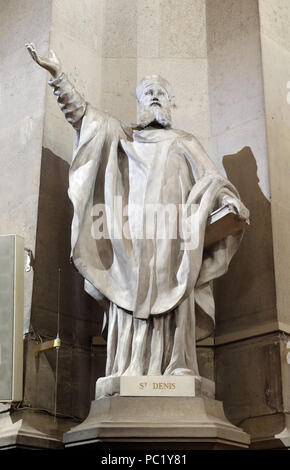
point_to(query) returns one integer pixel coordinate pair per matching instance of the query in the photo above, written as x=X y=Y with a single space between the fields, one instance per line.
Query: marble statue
x=142 y=195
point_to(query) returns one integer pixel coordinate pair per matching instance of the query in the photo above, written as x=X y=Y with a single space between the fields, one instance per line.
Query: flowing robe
x=156 y=285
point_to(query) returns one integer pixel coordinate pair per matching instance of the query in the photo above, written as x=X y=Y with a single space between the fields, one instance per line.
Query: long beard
x=149 y=114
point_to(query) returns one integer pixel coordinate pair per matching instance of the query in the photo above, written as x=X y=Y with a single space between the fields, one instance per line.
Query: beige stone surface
x=250 y=134
x=118 y=96
x=162 y=419
x=281 y=226
x=252 y=379
x=275 y=21
x=148 y=24
x=120 y=29
x=79 y=20
x=21 y=122
x=188 y=41
x=275 y=40
x=245 y=296
x=235 y=82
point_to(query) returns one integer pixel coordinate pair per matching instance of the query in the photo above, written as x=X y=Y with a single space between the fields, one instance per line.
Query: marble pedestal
x=135 y=422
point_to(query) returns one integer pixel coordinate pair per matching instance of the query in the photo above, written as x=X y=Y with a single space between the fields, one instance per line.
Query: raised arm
x=70 y=101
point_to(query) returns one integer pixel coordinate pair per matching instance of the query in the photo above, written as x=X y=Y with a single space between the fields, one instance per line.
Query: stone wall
x=36 y=144
x=22 y=98
x=245 y=297
x=275 y=39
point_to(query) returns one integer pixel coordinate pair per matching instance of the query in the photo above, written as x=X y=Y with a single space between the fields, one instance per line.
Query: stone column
x=252 y=318
x=275 y=40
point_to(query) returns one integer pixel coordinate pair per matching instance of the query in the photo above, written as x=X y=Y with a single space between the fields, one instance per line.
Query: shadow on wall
x=245 y=296
x=80 y=317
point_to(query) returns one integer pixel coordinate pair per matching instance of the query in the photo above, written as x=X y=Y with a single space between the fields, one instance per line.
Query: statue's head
x=154 y=95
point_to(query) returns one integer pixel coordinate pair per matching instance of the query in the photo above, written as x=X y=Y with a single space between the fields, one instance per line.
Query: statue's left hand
x=51 y=63
x=238 y=206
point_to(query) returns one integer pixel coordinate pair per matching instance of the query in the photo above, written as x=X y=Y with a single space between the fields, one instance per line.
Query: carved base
x=178 y=420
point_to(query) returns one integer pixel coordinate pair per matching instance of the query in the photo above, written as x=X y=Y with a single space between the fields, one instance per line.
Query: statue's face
x=155 y=95
x=154 y=105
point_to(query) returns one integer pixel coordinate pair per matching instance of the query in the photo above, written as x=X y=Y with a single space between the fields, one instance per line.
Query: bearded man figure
x=156 y=289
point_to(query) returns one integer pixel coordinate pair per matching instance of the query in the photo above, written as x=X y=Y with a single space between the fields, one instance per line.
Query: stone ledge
x=137 y=419
x=31 y=430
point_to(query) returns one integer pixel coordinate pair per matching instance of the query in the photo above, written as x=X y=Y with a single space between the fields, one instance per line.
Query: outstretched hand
x=51 y=63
